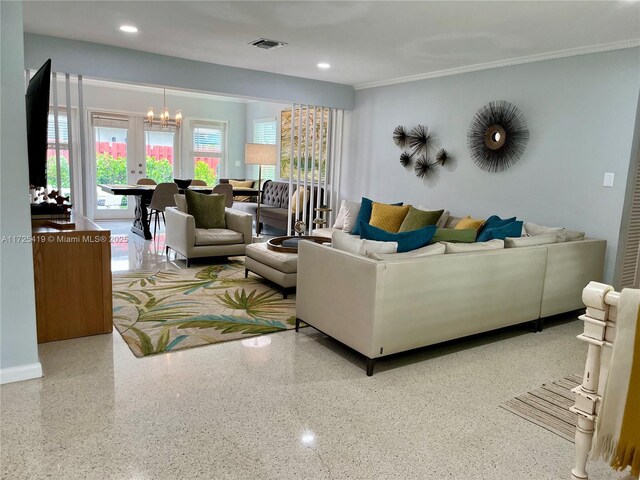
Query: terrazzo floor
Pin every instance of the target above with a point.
(291, 406)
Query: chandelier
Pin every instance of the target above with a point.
(165, 119)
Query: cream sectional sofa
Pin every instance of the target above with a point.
(379, 308)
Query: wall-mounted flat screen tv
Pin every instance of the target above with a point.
(37, 99)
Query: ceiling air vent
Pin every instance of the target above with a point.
(267, 44)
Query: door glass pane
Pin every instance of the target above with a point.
(207, 148)
(159, 155)
(111, 165)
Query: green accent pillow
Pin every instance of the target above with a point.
(467, 235)
(416, 219)
(207, 210)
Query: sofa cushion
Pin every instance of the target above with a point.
(352, 244)
(429, 250)
(242, 184)
(514, 242)
(325, 232)
(388, 217)
(494, 221)
(351, 213)
(513, 229)
(207, 210)
(573, 235)
(468, 222)
(181, 202)
(299, 200)
(407, 241)
(281, 261)
(474, 247)
(217, 236)
(364, 215)
(442, 221)
(534, 229)
(467, 235)
(417, 218)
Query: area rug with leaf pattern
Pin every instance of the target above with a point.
(168, 310)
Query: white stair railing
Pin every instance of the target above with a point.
(599, 333)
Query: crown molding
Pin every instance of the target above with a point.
(571, 52)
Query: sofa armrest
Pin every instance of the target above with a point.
(241, 222)
(180, 230)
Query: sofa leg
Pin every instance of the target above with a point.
(370, 365)
(540, 324)
(188, 262)
(246, 273)
(298, 324)
(284, 293)
(166, 251)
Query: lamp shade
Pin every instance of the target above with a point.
(260, 154)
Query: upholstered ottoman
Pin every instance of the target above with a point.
(281, 268)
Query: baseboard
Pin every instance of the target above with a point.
(22, 372)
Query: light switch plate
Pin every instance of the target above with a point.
(608, 180)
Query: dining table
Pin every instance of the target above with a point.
(143, 194)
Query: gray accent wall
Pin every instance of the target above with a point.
(581, 113)
(133, 66)
(18, 343)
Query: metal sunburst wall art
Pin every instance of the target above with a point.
(425, 168)
(497, 136)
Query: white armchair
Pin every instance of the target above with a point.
(183, 237)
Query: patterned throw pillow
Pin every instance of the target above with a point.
(388, 217)
(364, 215)
(469, 222)
(207, 210)
(407, 241)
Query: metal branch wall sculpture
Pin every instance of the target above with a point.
(497, 136)
(416, 144)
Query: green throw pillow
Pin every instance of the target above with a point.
(207, 210)
(416, 219)
(454, 236)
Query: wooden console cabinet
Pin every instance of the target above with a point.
(72, 270)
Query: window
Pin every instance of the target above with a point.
(265, 132)
(208, 154)
(58, 178)
(159, 147)
(306, 142)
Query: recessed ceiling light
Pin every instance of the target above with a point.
(324, 65)
(129, 28)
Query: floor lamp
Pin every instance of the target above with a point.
(260, 154)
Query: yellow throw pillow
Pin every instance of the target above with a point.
(388, 217)
(298, 200)
(469, 223)
(242, 184)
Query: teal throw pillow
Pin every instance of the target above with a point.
(407, 241)
(416, 219)
(494, 221)
(513, 229)
(466, 235)
(366, 207)
(207, 210)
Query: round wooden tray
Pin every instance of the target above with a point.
(275, 244)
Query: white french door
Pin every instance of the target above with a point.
(115, 160)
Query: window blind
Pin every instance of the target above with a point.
(265, 132)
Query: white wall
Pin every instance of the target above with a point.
(581, 114)
(18, 343)
(132, 66)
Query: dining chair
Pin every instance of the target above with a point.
(227, 190)
(146, 181)
(161, 199)
(198, 183)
